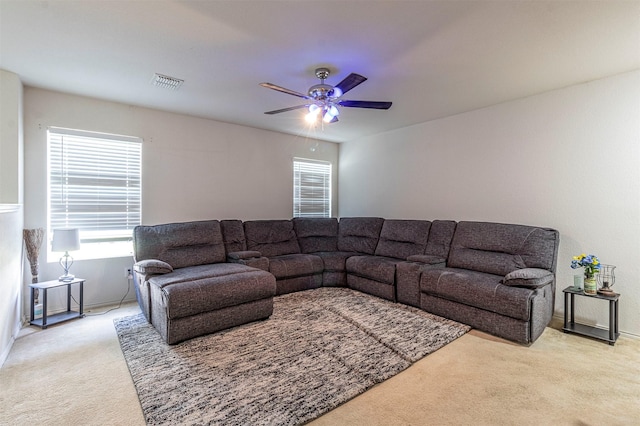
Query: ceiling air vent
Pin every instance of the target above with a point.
(166, 82)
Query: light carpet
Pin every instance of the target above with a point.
(319, 349)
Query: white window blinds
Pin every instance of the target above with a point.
(94, 184)
(311, 188)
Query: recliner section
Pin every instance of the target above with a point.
(277, 241)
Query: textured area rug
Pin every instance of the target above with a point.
(319, 349)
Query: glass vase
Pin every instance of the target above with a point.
(590, 285)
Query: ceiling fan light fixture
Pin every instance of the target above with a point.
(312, 116)
(336, 92)
(330, 113)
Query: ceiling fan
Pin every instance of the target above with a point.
(324, 99)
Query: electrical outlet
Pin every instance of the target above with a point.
(127, 272)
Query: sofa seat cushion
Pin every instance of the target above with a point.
(477, 289)
(335, 261)
(295, 265)
(194, 290)
(376, 268)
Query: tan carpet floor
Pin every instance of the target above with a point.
(75, 374)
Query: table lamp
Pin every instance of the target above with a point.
(66, 240)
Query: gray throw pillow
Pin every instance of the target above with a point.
(528, 277)
(152, 266)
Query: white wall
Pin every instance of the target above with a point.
(567, 159)
(193, 169)
(11, 148)
(11, 214)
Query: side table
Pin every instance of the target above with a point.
(570, 326)
(62, 316)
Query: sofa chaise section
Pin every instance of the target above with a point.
(186, 289)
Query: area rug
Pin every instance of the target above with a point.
(319, 349)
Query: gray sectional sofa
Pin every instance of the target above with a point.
(195, 278)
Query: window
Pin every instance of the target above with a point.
(311, 188)
(95, 186)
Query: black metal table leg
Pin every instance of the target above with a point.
(612, 325)
(80, 309)
(573, 320)
(32, 316)
(44, 308)
(566, 314)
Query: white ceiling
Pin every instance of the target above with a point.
(431, 58)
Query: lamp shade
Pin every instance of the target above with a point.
(67, 239)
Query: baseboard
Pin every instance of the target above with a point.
(5, 354)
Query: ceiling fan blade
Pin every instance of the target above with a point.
(365, 104)
(284, 90)
(351, 81)
(278, 111)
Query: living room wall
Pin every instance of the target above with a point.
(193, 169)
(566, 159)
(11, 214)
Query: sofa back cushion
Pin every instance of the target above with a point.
(316, 234)
(271, 237)
(233, 235)
(498, 248)
(403, 238)
(180, 244)
(359, 234)
(440, 236)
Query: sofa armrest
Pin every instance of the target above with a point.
(250, 258)
(528, 278)
(426, 259)
(152, 267)
(243, 255)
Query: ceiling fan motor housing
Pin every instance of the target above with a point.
(321, 91)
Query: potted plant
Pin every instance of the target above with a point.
(591, 265)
